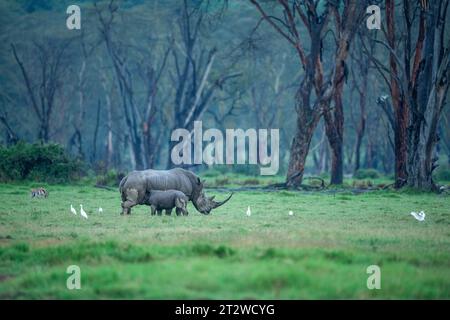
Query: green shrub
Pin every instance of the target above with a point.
(251, 181)
(247, 169)
(219, 182)
(38, 162)
(366, 174)
(442, 173)
(110, 178)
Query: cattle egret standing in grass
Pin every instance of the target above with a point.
(83, 214)
(419, 216)
(72, 209)
(100, 209)
(249, 213)
(291, 213)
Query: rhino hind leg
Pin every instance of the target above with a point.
(168, 212)
(131, 196)
(181, 205)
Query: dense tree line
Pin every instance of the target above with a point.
(344, 97)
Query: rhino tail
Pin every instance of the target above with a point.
(122, 183)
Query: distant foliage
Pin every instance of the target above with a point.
(38, 162)
(442, 173)
(111, 178)
(366, 174)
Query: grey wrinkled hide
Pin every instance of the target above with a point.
(135, 187)
(167, 200)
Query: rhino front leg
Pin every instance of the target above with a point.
(168, 212)
(153, 210)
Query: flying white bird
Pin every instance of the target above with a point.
(72, 209)
(291, 213)
(82, 212)
(418, 216)
(100, 209)
(249, 213)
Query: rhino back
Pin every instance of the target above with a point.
(147, 180)
(174, 179)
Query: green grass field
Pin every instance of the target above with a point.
(322, 251)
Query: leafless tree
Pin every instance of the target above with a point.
(193, 80)
(43, 79)
(317, 90)
(138, 117)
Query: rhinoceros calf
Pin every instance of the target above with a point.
(137, 185)
(167, 200)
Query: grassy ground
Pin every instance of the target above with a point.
(322, 251)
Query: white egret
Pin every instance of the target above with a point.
(249, 213)
(418, 216)
(82, 212)
(72, 209)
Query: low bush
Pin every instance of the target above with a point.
(442, 173)
(219, 182)
(251, 182)
(110, 178)
(38, 162)
(366, 174)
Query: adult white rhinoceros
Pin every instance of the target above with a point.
(136, 186)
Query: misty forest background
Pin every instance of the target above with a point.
(345, 98)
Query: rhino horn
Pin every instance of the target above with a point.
(216, 204)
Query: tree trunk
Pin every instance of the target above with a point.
(361, 128)
(94, 139)
(138, 154)
(428, 101)
(398, 102)
(307, 121)
(44, 131)
(299, 152)
(334, 124)
(400, 141)
(337, 163)
(334, 129)
(359, 138)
